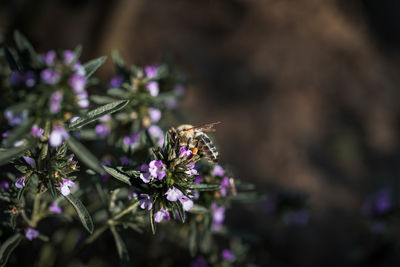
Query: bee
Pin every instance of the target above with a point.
(196, 139)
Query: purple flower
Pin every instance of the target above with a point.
(157, 133)
(173, 194)
(146, 177)
(152, 87)
(199, 262)
(69, 56)
(191, 170)
(77, 83)
(105, 177)
(132, 139)
(227, 255)
(183, 153)
(55, 208)
(115, 82)
(218, 216)
(145, 201)
(55, 101)
(31, 233)
(125, 161)
(15, 118)
(155, 114)
(57, 136)
(102, 130)
(30, 79)
(105, 118)
(65, 185)
(37, 131)
(160, 215)
(151, 71)
(20, 183)
(157, 169)
(18, 143)
(379, 203)
(79, 69)
(30, 161)
(49, 57)
(6, 134)
(4, 185)
(198, 179)
(218, 171)
(15, 78)
(224, 186)
(187, 203)
(50, 76)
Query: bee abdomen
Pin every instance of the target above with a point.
(207, 149)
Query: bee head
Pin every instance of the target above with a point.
(172, 132)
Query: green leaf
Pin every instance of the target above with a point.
(84, 155)
(152, 222)
(7, 155)
(121, 247)
(8, 247)
(98, 113)
(82, 212)
(117, 174)
(101, 100)
(10, 59)
(248, 197)
(197, 209)
(205, 187)
(27, 49)
(93, 65)
(18, 133)
(117, 92)
(179, 208)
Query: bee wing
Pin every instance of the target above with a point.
(208, 127)
(207, 148)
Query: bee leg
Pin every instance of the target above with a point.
(196, 149)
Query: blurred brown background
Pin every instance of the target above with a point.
(307, 91)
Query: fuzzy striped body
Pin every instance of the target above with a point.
(191, 137)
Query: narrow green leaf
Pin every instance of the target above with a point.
(93, 65)
(101, 100)
(10, 59)
(18, 133)
(82, 212)
(152, 222)
(193, 238)
(117, 174)
(179, 208)
(121, 247)
(25, 46)
(9, 154)
(205, 187)
(8, 247)
(197, 209)
(98, 113)
(248, 197)
(84, 155)
(116, 92)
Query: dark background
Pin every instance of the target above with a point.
(307, 91)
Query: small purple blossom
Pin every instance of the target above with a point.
(15, 78)
(50, 76)
(116, 82)
(145, 201)
(20, 183)
(77, 83)
(151, 71)
(378, 203)
(218, 171)
(132, 139)
(186, 202)
(157, 169)
(224, 186)
(125, 161)
(146, 177)
(152, 87)
(160, 215)
(227, 255)
(15, 118)
(18, 143)
(157, 133)
(173, 194)
(4, 185)
(198, 179)
(102, 130)
(30, 79)
(79, 69)
(184, 153)
(37, 131)
(191, 169)
(155, 114)
(55, 208)
(6, 134)
(65, 186)
(31, 233)
(218, 216)
(49, 57)
(55, 101)
(69, 56)
(57, 136)
(30, 161)
(105, 177)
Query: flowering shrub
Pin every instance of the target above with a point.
(53, 158)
